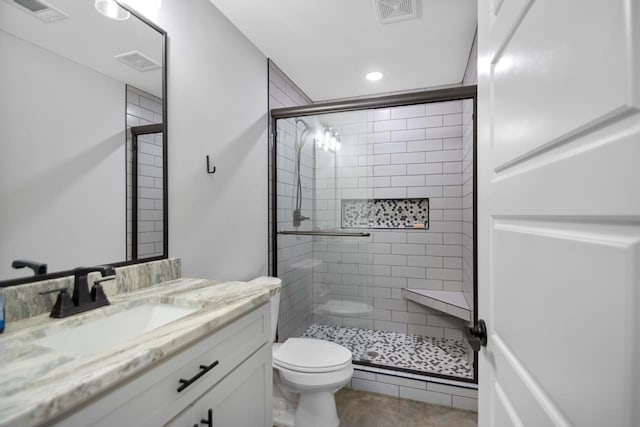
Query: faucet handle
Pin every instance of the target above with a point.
(97, 293)
(63, 304)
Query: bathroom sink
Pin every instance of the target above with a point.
(104, 333)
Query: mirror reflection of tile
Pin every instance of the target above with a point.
(385, 213)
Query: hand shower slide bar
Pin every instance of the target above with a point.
(325, 233)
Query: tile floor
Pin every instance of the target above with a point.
(394, 349)
(364, 409)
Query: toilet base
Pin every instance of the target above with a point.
(283, 413)
(313, 409)
(317, 410)
(284, 409)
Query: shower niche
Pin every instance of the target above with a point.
(373, 228)
(385, 213)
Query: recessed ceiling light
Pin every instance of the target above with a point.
(374, 75)
(111, 9)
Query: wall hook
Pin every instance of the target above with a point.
(209, 170)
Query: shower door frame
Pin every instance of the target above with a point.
(135, 132)
(424, 97)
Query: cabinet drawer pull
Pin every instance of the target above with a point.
(203, 370)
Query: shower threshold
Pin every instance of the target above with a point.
(399, 351)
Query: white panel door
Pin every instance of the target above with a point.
(559, 212)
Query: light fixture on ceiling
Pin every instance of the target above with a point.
(328, 140)
(111, 9)
(374, 76)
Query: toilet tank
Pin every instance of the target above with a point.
(275, 301)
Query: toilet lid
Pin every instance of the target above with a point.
(311, 355)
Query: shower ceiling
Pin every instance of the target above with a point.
(327, 46)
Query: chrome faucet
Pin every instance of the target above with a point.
(83, 298)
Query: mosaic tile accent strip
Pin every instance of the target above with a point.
(385, 213)
(427, 354)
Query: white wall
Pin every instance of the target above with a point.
(217, 98)
(62, 164)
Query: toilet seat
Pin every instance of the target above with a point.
(309, 355)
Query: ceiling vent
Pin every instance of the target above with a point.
(41, 10)
(138, 61)
(395, 10)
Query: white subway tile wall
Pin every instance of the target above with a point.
(401, 152)
(145, 109)
(294, 252)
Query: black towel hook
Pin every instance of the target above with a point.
(209, 167)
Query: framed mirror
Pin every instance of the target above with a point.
(83, 143)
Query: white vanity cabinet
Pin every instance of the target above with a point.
(228, 373)
(236, 401)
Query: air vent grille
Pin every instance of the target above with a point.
(32, 5)
(39, 9)
(138, 60)
(395, 10)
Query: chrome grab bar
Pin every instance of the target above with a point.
(326, 233)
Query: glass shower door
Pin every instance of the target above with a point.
(325, 266)
(372, 204)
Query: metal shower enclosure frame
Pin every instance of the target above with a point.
(423, 97)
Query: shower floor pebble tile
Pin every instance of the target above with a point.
(425, 354)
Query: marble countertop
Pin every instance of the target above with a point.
(38, 383)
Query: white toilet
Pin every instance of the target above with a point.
(306, 374)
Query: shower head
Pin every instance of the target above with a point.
(307, 126)
(301, 140)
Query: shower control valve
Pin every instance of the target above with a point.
(298, 218)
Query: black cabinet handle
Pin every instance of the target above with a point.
(209, 421)
(203, 370)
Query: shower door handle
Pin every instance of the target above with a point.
(477, 335)
(325, 233)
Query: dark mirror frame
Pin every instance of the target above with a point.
(165, 193)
